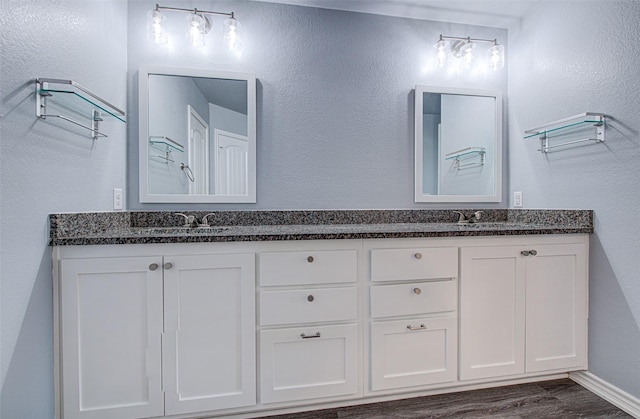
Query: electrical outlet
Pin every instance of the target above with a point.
(117, 199)
(517, 199)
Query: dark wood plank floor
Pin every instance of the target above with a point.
(548, 399)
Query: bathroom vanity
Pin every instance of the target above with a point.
(284, 311)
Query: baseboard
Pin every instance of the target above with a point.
(612, 394)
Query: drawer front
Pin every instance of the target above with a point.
(415, 298)
(312, 267)
(308, 305)
(308, 363)
(414, 263)
(414, 352)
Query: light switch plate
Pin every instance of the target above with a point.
(517, 199)
(117, 199)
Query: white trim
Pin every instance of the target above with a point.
(607, 391)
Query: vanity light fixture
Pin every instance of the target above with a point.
(197, 26)
(464, 50)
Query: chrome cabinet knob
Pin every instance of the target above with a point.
(525, 253)
(417, 291)
(310, 259)
(418, 255)
(153, 266)
(168, 266)
(533, 252)
(310, 298)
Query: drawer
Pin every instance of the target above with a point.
(308, 305)
(312, 267)
(413, 352)
(416, 298)
(308, 363)
(414, 263)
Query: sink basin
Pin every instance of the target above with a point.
(171, 231)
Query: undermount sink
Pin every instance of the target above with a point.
(186, 230)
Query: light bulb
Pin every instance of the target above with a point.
(196, 29)
(468, 53)
(441, 53)
(232, 38)
(496, 57)
(156, 27)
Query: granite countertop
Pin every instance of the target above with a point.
(136, 227)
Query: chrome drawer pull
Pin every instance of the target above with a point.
(310, 259)
(417, 291)
(303, 336)
(153, 266)
(168, 265)
(310, 298)
(418, 255)
(422, 327)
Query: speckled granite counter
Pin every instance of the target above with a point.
(137, 227)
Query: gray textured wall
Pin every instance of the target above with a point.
(49, 166)
(335, 100)
(572, 57)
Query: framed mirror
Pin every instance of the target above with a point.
(197, 136)
(458, 145)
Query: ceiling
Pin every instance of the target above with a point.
(494, 13)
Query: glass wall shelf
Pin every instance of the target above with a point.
(76, 99)
(166, 143)
(467, 154)
(567, 126)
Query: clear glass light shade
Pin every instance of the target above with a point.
(197, 27)
(441, 51)
(468, 54)
(496, 57)
(232, 38)
(156, 26)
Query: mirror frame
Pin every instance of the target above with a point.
(420, 196)
(143, 132)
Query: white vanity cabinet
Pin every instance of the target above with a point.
(148, 336)
(523, 308)
(267, 327)
(308, 318)
(413, 302)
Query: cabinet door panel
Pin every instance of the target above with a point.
(209, 350)
(556, 308)
(492, 312)
(297, 368)
(111, 325)
(402, 357)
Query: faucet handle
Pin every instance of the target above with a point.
(188, 219)
(205, 222)
(463, 218)
(478, 215)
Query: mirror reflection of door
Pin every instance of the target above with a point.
(198, 152)
(232, 151)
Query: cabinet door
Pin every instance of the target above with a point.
(209, 339)
(556, 308)
(111, 325)
(308, 363)
(492, 312)
(413, 352)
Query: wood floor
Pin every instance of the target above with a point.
(548, 399)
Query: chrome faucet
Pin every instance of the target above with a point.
(189, 220)
(474, 218)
